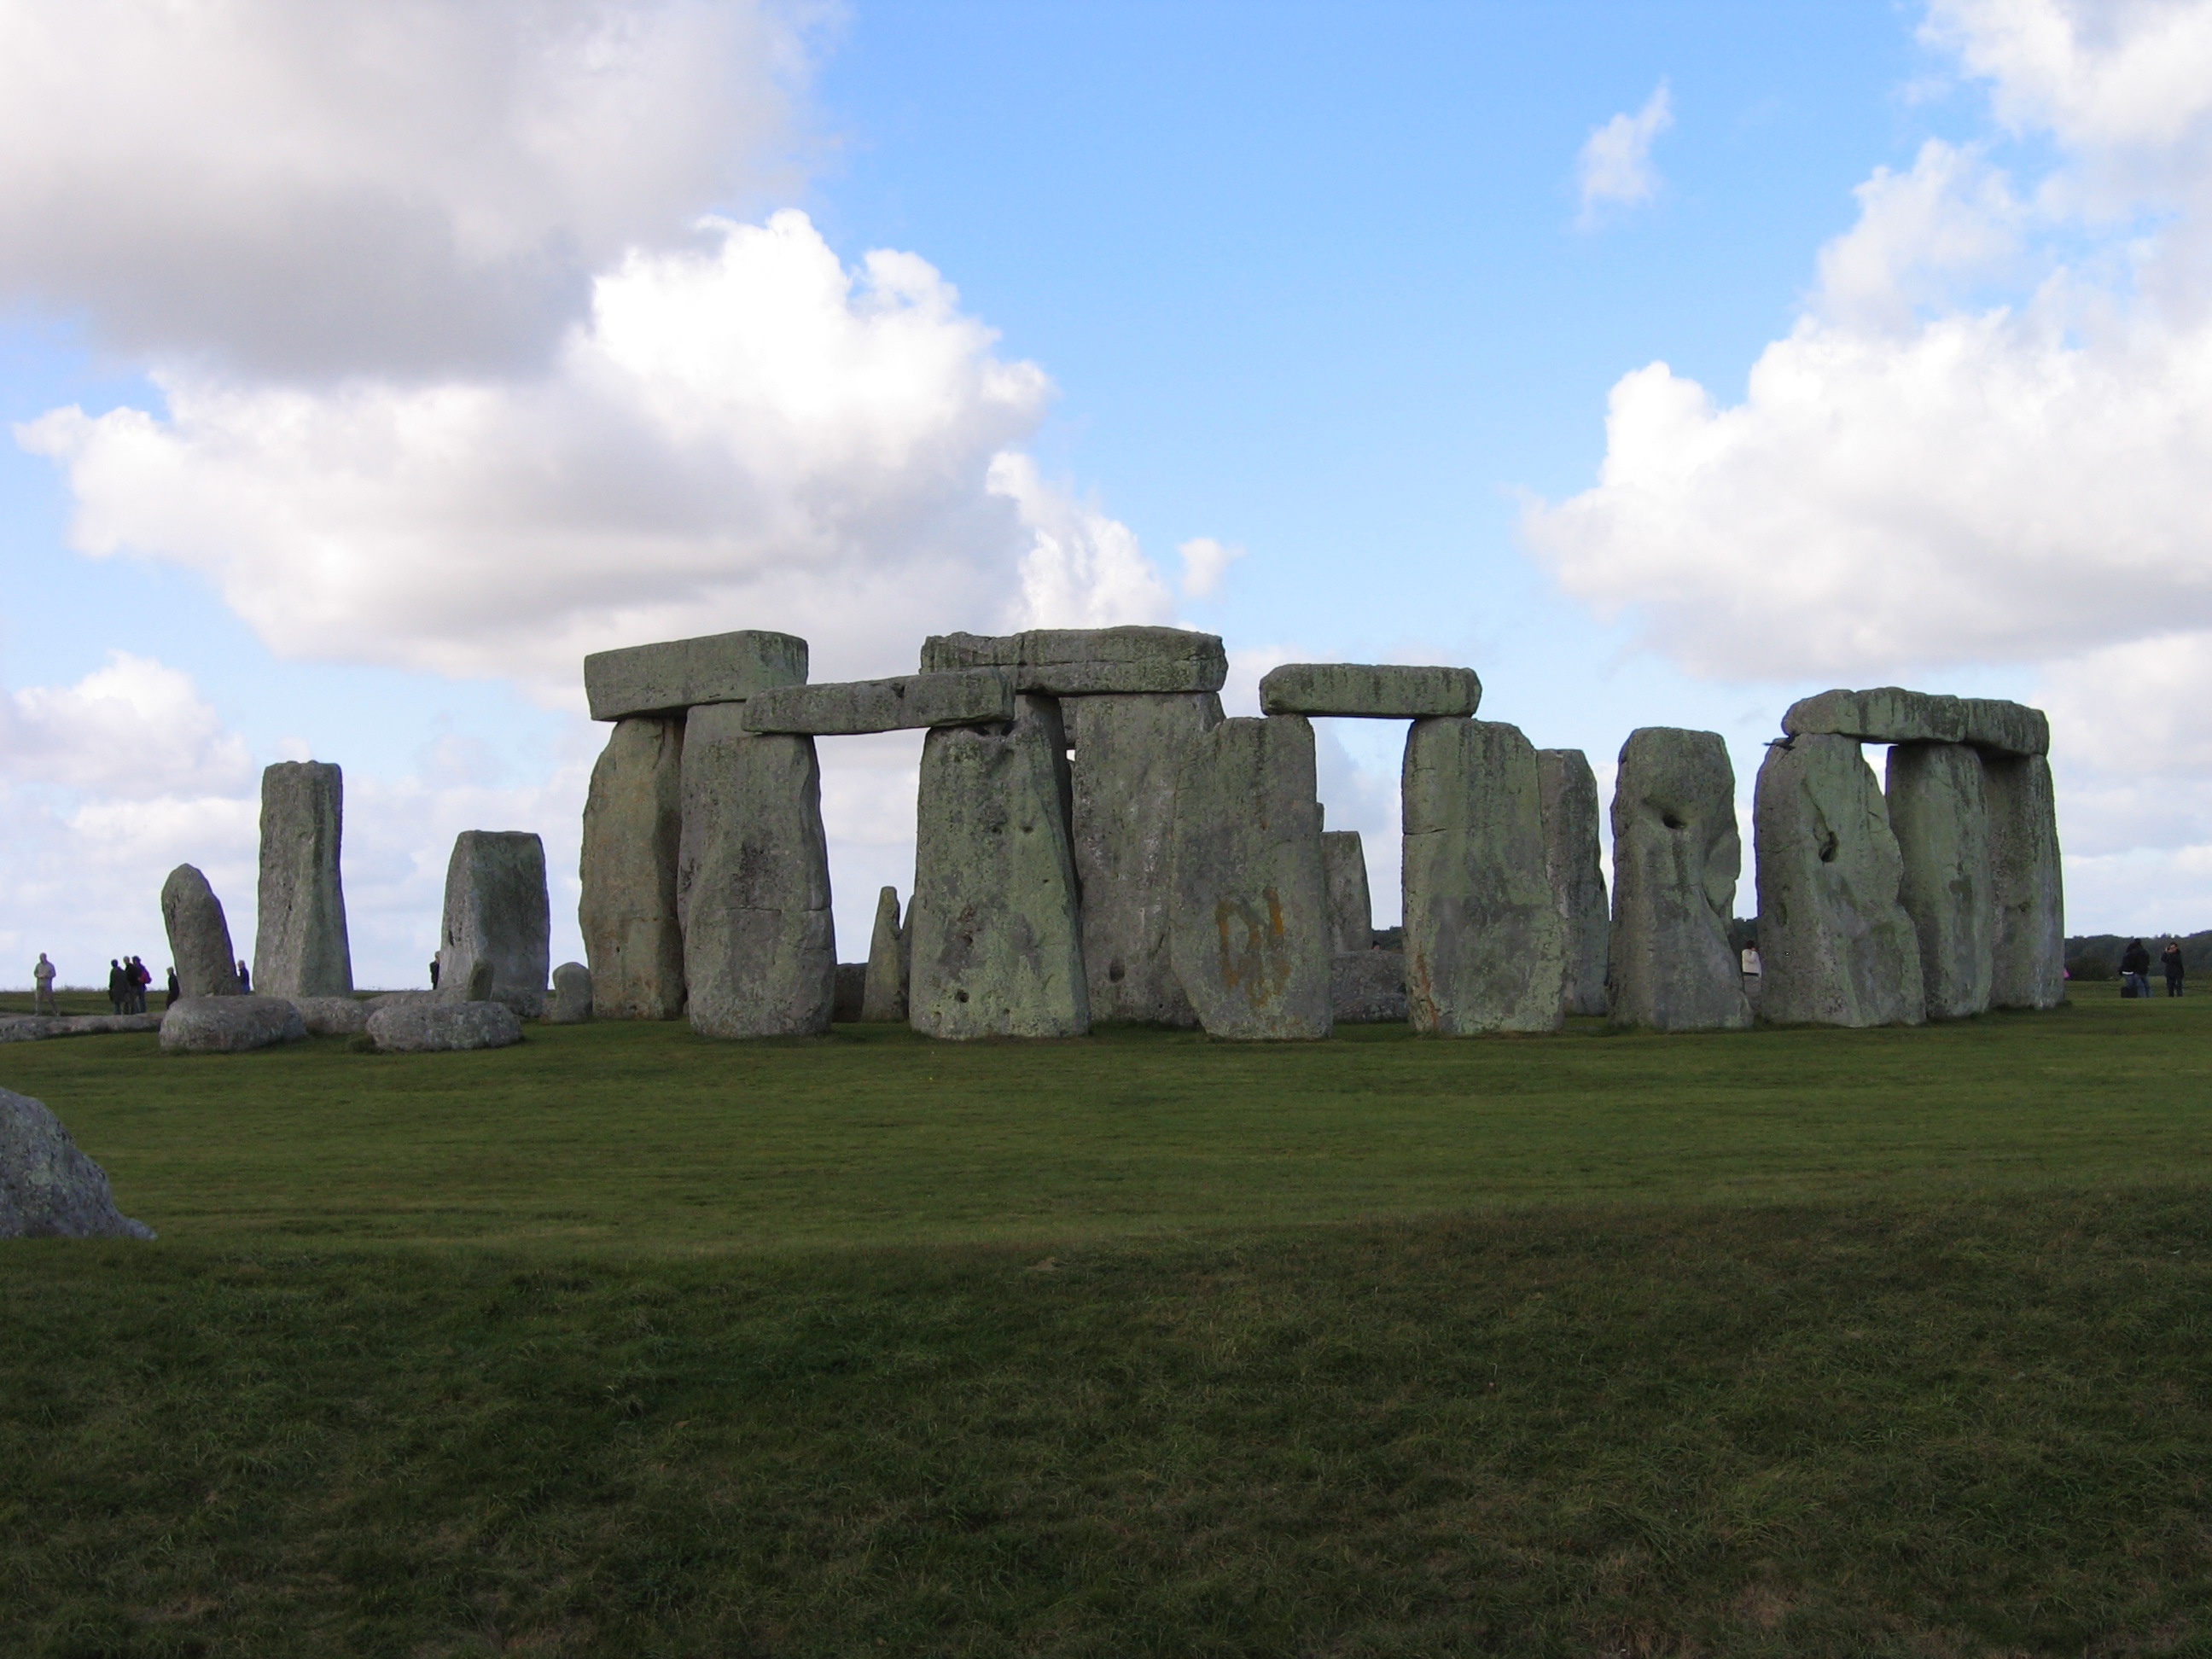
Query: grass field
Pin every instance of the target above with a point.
(621, 1342)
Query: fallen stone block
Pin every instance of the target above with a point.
(1248, 930)
(1676, 854)
(571, 1002)
(2027, 895)
(883, 985)
(199, 937)
(971, 696)
(1486, 945)
(229, 1025)
(36, 1028)
(632, 848)
(48, 1188)
(426, 1027)
(1367, 988)
(673, 675)
(1835, 942)
(332, 1016)
(299, 944)
(1383, 691)
(1940, 817)
(1084, 662)
(497, 914)
(1572, 862)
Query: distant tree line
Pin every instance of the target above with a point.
(2096, 956)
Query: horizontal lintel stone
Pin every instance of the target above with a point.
(1360, 690)
(678, 674)
(1889, 714)
(1078, 662)
(973, 697)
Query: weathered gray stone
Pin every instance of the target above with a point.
(997, 945)
(1485, 946)
(1676, 854)
(2027, 948)
(633, 842)
(496, 912)
(48, 1188)
(1351, 907)
(476, 987)
(300, 944)
(1889, 714)
(427, 1027)
(1367, 988)
(851, 994)
(199, 937)
(1381, 691)
(970, 697)
(1248, 929)
(760, 947)
(37, 1028)
(678, 674)
(882, 988)
(1941, 821)
(1128, 750)
(1572, 863)
(1087, 662)
(229, 1025)
(1836, 944)
(331, 1015)
(571, 1001)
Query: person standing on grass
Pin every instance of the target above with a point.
(2134, 970)
(43, 977)
(171, 1001)
(141, 977)
(245, 979)
(2170, 960)
(115, 983)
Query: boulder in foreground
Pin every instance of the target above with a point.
(48, 1188)
(413, 1028)
(229, 1025)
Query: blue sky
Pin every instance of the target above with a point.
(381, 428)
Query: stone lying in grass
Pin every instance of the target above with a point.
(33, 1028)
(411, 1028)
(331, 1015)
(229, 1025)
(48, 1188)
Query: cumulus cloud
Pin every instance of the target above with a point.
(747, 435)
(1205, 563)
(1615, 169)
(413, 187)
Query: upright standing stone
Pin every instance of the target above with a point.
(2027, 949)
(760, 946)
(1938, 812)
(199, 937)
(1572, 860)
(1128, 750)
(1676, 854)
(1485, 946)
(1248, 931)
(1351, 906)
(571, 1001)
(632, 839)
(1835, 944)
(883, 992)
(997, 947)
(300, 945)
(497, 912)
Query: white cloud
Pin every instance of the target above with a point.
(413, 187)
(749, 435)
(1205, 563)
(134, 731)
(1614, 168)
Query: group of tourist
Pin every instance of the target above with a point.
(2134, 968)
(128, 979)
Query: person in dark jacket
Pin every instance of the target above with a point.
(2170, 960)
(174, 987)
(119, 988)
(2134, 970)
(245, 978)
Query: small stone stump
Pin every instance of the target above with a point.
(571, 1003)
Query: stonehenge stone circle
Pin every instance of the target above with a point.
(1836, 944)
(230, 1025)
(1088, 662)
(760, 948)
(331, 1015)
(48, 1188)
(1486, 945)
(300, 945)
(1383, 691)
(1890, 713)
(996, 947)
(883, 991)
(1128, 750)
(1940, 817)
(571, 1001)
(1367, 988)
(497, 912)
(1249, 927)
(1676, 855)
(1572, 850)
(679, 674)
(972, 697)
(428, 1027)
(2027, 899)
(1351, 906)
(199, 937)
(633, 838)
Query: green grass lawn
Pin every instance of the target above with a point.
(622, 1342)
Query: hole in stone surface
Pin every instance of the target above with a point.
(1115, 972)
(1828, 848)
(1671, 821)
(960, 996)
